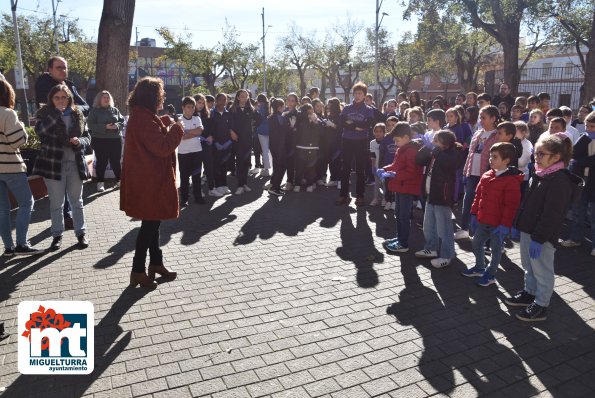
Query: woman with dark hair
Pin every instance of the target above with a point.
(105, 125)
(13, 176)
(206, 139)
(61, 160)
(415, 99)
(148, 189)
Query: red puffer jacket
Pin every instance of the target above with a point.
(497, 198)
(409, 175)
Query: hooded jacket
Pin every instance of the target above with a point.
(408, 174)
(546, 202)
(497, 197)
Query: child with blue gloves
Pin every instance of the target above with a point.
(405, 182)
(497, 198)
(540, 217)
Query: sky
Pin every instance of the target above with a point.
(206, 19)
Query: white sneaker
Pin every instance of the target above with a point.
(296, 188)
(383, 203)
(265, 173)
(288, 187)
(239, 191)
(440, 262)
(374, 202)
(388, 206)
(331, 184)
(593, 252)
(310, 188)
(338, 184)
(426, 253)
(462, 234)
(254, 171)
(215, 193)
(418, 205)
(100, 187)
(569, 243)
(247, 188)
(224, 190)
(393, 205)
(320, 183)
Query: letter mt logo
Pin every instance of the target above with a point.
(56, 337)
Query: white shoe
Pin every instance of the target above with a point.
(388, 206)
(331, 184)
(265, 173)
(393, 205)
(288, 186)
(426, 253)
(296, 188)
(462, 234)
(569, 243)
(320, 183)
(247, 188)
(338, 184)
(383, 202)
(215, 193)
(593, 252)
(224, 190)
(440, 262)
(310, 188)
(418, 205)
(239, 191)
(374, 202)
(254, 171)
(100, 187)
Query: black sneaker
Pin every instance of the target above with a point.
(8, 253)
(276, 192)
(83, 242)
(183, 203)
(521, 299)
(26, 250)
(532, 313)
(56, 243)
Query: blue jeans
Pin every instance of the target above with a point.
(539, 272)
(483, 233)
(470, 187)
(71, 185)
(576, 228)
(403, 203)
(19, 186)
(438, 226)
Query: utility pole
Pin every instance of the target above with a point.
(136, 62)
(17, 39)
(55, 9)
(264, 57)
(377, 31)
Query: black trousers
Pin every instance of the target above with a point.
(147, 239)
(221, 161)
(207, 163)
(279, 169)
(354, 150)
(108, 149)
(190, 167)
(243, 164)
(305, 166)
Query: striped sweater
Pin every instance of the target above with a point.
(12, 136)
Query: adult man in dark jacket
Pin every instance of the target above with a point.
(57, 73)
(504, 96)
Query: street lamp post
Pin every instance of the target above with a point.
(264, 57)
(378, 22)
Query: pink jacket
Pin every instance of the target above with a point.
(485, 152)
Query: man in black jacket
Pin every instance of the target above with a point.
(57, 73)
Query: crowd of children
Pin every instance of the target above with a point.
(510, 160)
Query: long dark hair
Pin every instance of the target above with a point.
(147, 93)
(236, 101)
(262, 99)
(492, 111)
(205, 112)
(473, 115)
(58, 88)
(415, 95)
(6, 94)
(334, 108)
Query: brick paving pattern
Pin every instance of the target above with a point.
(295, 297)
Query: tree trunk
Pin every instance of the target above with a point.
(113, 45)
(588, 91)
(510, 49)
(323, 87)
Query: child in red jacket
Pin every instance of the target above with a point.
(497, 198)
(406, 184)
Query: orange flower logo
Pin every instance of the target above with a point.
(43, 319)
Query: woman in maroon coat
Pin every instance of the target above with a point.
(148, 189)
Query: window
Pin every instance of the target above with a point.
(547, 69)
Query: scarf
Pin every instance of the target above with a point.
(549, 170)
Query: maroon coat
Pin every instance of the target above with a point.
(408, 174)
(497, 198)
(148, 190)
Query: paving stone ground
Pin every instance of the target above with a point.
(295, 297)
